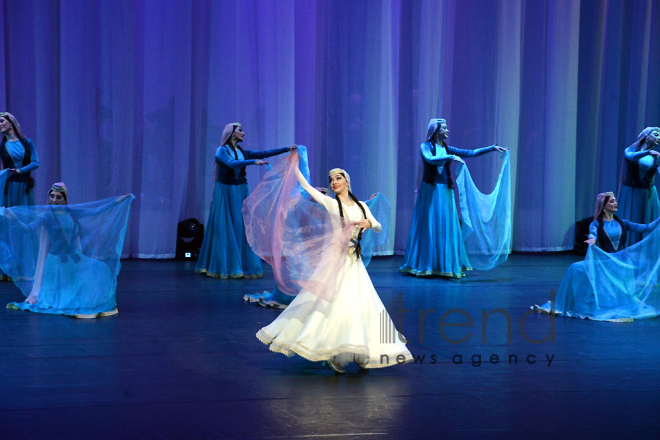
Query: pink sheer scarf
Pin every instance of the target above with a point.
(305, 244)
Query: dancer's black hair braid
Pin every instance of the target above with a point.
(602, 213)
(242, 151)
(236, 146)
(358, 248)
(27, 156)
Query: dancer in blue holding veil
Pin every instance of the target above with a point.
(19, 158)
(65, 258)
(436, 241)
(225, 251)
(638, 197)
(614, 282)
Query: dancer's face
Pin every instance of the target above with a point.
(5, 125)
(612, 205)
(443, 132)
(338, 183)
(57, 198)
(238, 134)
(653, 138)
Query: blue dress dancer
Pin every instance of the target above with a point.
(638, 197)
(607, 288)
(19, 157)
(225, 251)
(67, 256)
(435, 244)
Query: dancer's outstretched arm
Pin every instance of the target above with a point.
(222, 154)
(474, 153)
(316, 195)
(634, 155)
(269, 153)
(439, 158)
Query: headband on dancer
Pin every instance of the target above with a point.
(12, 120)
(228, 131)
(340, 171)
(601, 200)
(59, 187)
(642, 137)
(434, 124)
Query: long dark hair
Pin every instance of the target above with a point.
(19, 134)
(358, 248)
(6, 157)
(601, 202)
(26, 150)
(236, 144)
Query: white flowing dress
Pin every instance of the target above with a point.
(355, 327)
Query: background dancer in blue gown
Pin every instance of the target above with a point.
(613, 283)
(638, 197)
(435, 244)
(19, 157)
(225, 251)
(67, 256)
(609, 232)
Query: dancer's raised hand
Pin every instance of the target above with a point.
(364, 224)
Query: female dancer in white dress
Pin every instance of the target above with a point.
(353, 327)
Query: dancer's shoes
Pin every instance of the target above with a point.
(335, 367)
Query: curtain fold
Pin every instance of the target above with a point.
(131, 96)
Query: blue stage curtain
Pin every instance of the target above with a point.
(128, 96)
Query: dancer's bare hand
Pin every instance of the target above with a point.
(293, 147)
(500, 149)
(261, 162)
(654, 153)
(458, 159)
(591, 241)
(364, 224)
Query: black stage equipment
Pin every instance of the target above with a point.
(189, 238)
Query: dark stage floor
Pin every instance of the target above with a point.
(181, 361)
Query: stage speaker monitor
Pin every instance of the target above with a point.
(189, 238)
(581, 234)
